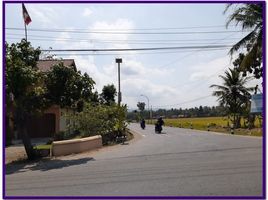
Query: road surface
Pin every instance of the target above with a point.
(179, 162)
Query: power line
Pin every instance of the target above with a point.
(128, 40)
(158, 28)
(139, 49)
(118, 32)
(136, 53)
(133, 29)
(104, 42)
(181, 58)
(189, 101)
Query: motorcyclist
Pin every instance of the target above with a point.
(142, 124)
(160, 121)
(158, 126)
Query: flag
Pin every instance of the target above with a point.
(26, 16)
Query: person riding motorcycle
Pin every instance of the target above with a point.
(142, 124)
(158, 126)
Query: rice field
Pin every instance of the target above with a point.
(216, 124)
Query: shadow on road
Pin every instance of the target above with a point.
(43, 165)
(161, 133)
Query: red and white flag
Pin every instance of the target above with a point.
(26, 16)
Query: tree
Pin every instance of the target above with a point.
(29, 91)
(233, 94)
(249, 16)
(200, 111)
(24, 87)
(141, 106)
(108, 94)
(67, 87)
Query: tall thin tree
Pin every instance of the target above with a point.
(233, 94)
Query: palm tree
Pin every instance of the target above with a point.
(233, 94)
(249, 16)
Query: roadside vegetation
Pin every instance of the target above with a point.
(29, 92)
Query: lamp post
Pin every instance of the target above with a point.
(148, 105)
(118, 61)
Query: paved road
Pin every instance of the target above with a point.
(179, 162)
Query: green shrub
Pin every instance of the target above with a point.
(105, 120)
(59, 136)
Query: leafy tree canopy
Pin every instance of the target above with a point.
(23, 79)
(249, 16)
(24, 91)
(66, 87)
(141, 106)
(108, 94)
(233, 93)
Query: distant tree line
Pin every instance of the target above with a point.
(201, 111)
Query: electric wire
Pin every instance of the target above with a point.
(107, 42)
(158, 28)
(190, 54)
(118, 32)
(136, 53)
(114, 40)
(138, 49)
(184, 102)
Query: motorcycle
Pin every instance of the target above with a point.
(158, 128)
(143, 124)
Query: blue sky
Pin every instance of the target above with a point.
(170, 78)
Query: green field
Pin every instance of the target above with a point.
(216, 124)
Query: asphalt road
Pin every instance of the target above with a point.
(179, 162)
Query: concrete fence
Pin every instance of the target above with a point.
(65, 147)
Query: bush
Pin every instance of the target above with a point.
(59, 136)
(105, 120)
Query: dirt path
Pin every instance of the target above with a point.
(14, 152)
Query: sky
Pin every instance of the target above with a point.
(172, 78)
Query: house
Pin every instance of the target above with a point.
(53, 120)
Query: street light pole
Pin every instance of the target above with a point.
(148, 105)
(119, 60)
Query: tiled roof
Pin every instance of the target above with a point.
(46, 65)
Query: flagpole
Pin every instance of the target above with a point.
(26, 19)
(25, 31)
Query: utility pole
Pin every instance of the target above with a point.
(118, 61)
(151, 114)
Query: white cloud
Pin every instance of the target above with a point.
(122, 25)
(87, 12)
(133, 68)
(43, 14)
(87, 64)
(211, 70)
(63, 38)
(132, 88)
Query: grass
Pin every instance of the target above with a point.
(216, 124)
(43, 146)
